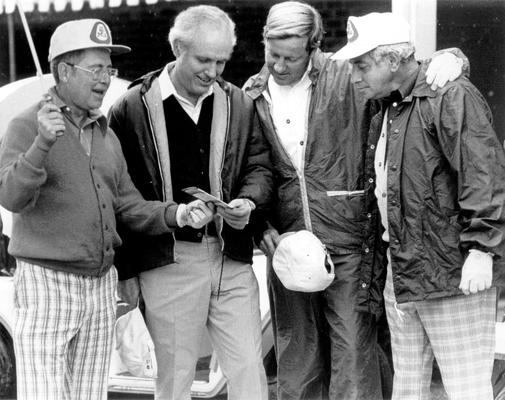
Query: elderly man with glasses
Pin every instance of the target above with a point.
(63, 175)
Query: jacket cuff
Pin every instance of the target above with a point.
(171, 215)
(37, 152)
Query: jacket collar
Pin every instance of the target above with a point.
(258, 83)
(415, 86)
(418, 86)
(93, 115)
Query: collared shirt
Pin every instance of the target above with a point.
(289, 110)
(381, 177)
(168, 89)
(84, 132)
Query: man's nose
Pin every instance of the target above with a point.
(211, 71)
(355, 76)
(280, 66)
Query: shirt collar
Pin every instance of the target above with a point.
(94, 115)
(259, 83)
(303, 84)
(168, 89)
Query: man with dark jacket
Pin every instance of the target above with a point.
(184, 126)
(316, 123)
(440, 173)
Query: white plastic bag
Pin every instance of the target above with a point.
(135, 346)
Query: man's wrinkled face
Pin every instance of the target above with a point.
(201, 62)
(86, 93)
(287, 59)
(372, 78)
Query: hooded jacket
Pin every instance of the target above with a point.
(238, 167)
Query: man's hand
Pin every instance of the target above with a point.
(197, 214)
(128, 291)
(269, 242)
(477, 273)
(443, 68)
(238, 216)
(51, 124)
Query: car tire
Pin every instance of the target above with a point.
(7, 366)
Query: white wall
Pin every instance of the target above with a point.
(422, 17)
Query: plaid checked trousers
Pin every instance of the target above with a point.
(458, 331)
(63, 333)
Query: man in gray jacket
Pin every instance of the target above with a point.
(63, 175)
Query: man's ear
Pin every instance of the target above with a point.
(178, 48)
(394, 61)
(63, 71)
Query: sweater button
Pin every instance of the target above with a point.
(103, 206)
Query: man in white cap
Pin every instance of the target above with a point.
(439, 184)
(63, 175)
(316, 123)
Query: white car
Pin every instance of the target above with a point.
(209, 380)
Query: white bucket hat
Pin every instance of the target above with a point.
(300, 262)
(82, 34)
(370, 31)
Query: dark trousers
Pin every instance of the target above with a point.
(325, 348)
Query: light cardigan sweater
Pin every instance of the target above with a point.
(65, 203)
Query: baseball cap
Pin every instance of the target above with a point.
(300, 262)
(370, 31)
(82, 34)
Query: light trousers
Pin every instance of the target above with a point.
(182, 300)
(458, 331)
(63, 333)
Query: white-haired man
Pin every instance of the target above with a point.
(63, 175)
(440, 171)
(184, 126)
(316, 123)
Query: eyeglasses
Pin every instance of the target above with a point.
(98, 72)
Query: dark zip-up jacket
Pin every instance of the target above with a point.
(238, 167)
(446, 187)
(333, 194)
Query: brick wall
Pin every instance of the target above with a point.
(145, 29)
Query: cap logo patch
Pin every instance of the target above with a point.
(352, 33)
(100, 33)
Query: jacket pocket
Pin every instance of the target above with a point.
(339, 220)
(441, 237)
(332, 193)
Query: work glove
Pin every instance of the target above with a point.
(477, 273)
(442, 69)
